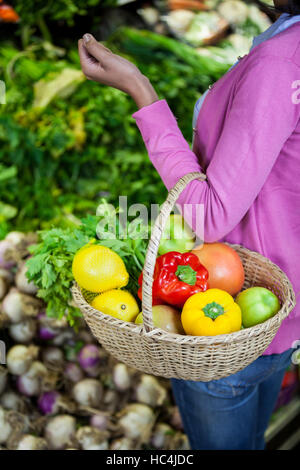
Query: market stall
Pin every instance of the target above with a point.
(69, 147)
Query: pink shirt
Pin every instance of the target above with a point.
(248, 144)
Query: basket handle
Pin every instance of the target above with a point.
(153, 245)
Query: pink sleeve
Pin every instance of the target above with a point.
(261, 119)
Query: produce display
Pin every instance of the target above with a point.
(61, 390)
(68, 149)
(220, 29)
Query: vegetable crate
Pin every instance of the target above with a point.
(198, 358)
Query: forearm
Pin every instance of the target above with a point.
(142, 91)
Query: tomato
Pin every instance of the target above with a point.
(224, 266)
(257, 305)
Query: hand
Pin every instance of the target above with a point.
(98, 63)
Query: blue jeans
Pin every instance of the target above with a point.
(232, 413)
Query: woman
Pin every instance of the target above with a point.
(247, 141)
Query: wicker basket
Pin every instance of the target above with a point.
(198, 358)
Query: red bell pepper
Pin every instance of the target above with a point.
(176, 277)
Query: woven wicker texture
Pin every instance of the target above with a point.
(198, 358)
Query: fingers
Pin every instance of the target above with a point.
(83, 53)
(90, 66)
(94, 48)
(84, 58)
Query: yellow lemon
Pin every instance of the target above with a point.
(117, 303)
(97, 269)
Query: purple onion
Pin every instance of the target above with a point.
(89, 358)
(46, 333)
(48, 402)
(27, 386)
(99, 421)
(73, 372)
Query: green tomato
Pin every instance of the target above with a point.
(177, 236)
(257, 305)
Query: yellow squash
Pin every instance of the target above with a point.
(211, 313)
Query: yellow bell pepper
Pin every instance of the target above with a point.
(211, 313)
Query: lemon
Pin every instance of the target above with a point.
(97, 269)
(117, 303)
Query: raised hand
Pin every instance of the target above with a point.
(100, 64)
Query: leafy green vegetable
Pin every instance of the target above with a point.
(32, 11)
(62, 85)
(50, 269)
(7, 173)
(7, 211)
